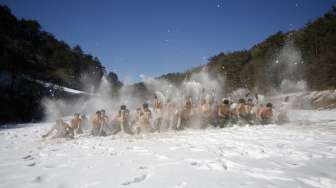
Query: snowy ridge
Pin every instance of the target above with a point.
(299, 154)
(309, 100)
(57, 87)
(5, 79)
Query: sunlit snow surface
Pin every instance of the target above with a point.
(299, 154)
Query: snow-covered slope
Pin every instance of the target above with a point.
(299, 154)
(309, 100)
(57, 87)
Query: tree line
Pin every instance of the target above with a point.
(262, 68)
(28, 53)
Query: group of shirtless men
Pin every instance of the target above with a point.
(167, 116)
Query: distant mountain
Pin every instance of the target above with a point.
(30, 56)
(306, 54)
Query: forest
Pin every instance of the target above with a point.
(305, 54)
(30, 56)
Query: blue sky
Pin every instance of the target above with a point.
(154, 37)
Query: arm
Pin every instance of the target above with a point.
(73, 123)
(219, 112)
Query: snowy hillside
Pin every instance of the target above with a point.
(309, 100)
(299, 154)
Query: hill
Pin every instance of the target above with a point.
(307, 54)
(30, 56)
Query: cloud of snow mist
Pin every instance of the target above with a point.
(288, 86)
(291, 59)
(196, 87)
(287, 64)
(199, 85)
(85, 104)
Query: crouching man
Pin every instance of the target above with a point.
(122, 122)
(76, 124)
(186, 116)
(144, 122)
(224, 113)
(97, 122)
(63, 130)
(265, 114)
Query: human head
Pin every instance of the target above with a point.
(123, 107)
(225, 101)
(188, 103)
(98, 113)
(269, 105)
(145, 106)
(102, 111)
(241, 101)
(76, 115)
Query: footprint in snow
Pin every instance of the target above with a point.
(142, 167)
(135, 180)
(31, 164)
(39, 179)
(28, 157)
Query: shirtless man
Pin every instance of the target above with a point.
(186, 115)
(84, 122)
(250, 115)
(123, 121)
(104, 129)
(105, 118)
(157, 103)
(75, 124)
(97, 122)
(137, 121)
(138, 115)
(249, 105)
(213, 116)
(204, 107)
(204, 113)
(173, 115)
(63, 130)
(265, 115)
(241, 111)
(158, 116)
(224, 113)
(145, 120)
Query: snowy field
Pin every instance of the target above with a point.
(299, 154)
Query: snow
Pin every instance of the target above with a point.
(58, 87)
(299, 154)
(309, 100)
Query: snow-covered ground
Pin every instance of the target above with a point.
(299, 154)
